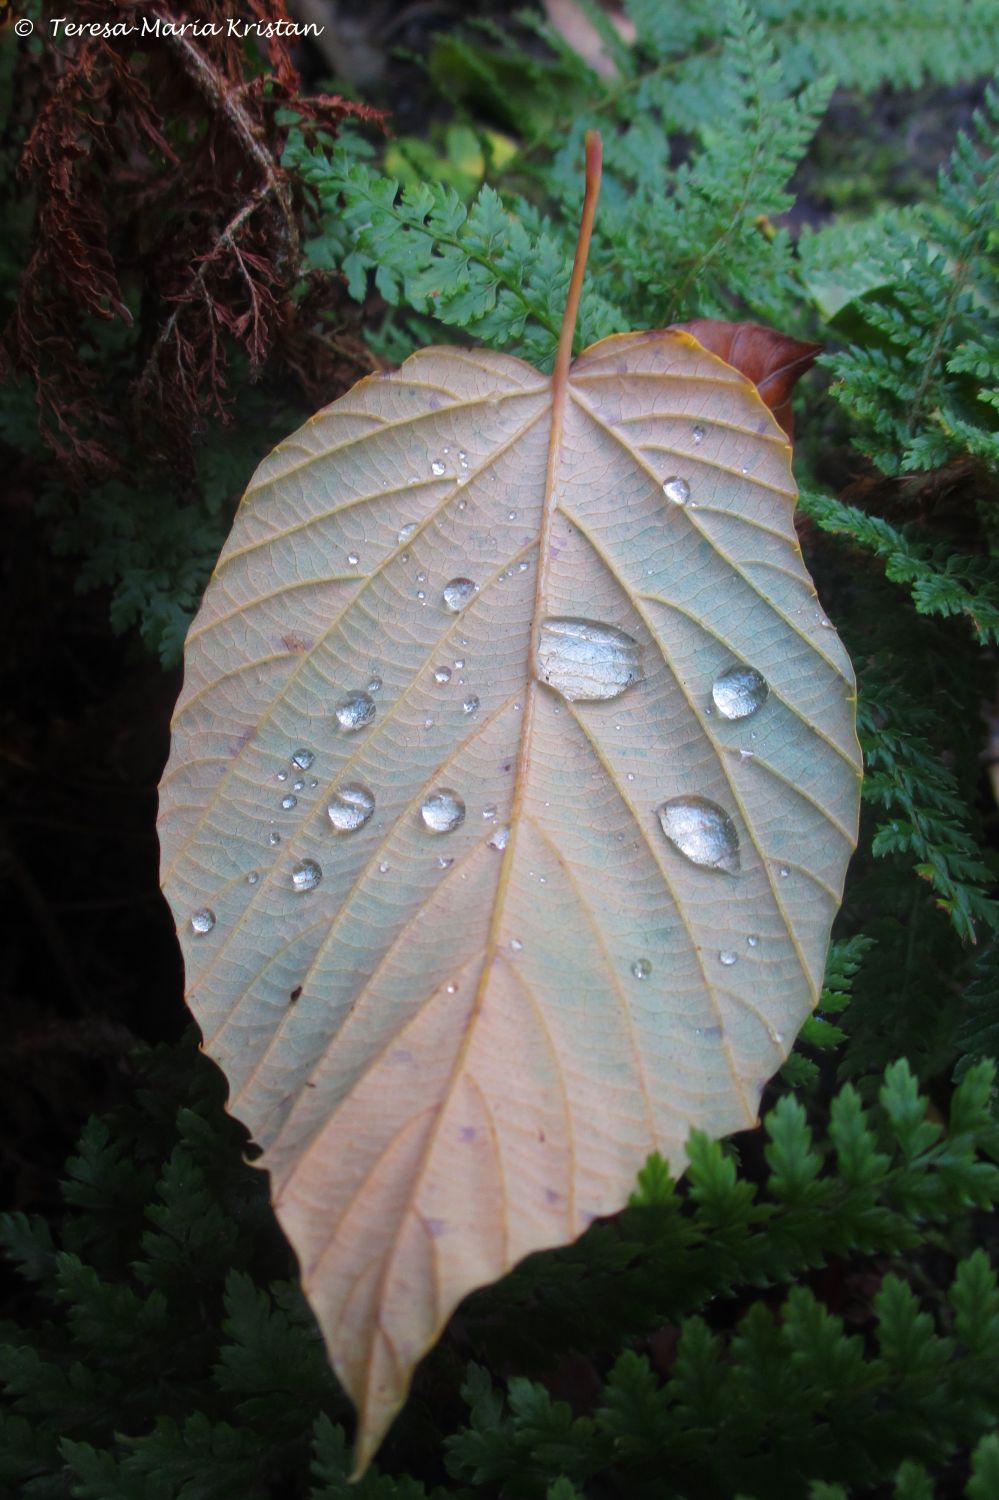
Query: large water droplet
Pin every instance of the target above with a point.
(442, 674)
(405, 532)
(442, 811)
(351, 807)
(702, 831)
(500, 838)
(202, 921)
(641, 968)
(289, 802)
(583, 659)
(458, 592)
(676, 489)
(355, 711)
(302, 759)
(306, 876)
(740, 691)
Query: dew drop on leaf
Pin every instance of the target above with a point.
(437, 467)
(699, 433)
(273, 839)
(302, 759)
(442, 674)
(253, 877)
(739, 692)
(442, 811)
(306, 875)
(457, 593)
(351, 807)
(355, 711)
(202, 921)
(375, 685)
(586, 660)
(728, 958)
(702, 831)
(289, 802)
(752, 941)
(405, 532)
(676, 489)
(470, 704)
(500, 838)
(641, 968)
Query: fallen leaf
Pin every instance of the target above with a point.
(774, 361)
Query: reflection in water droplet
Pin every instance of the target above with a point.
(783, 872)
(523, 566)
(459, 662)
(421, 595)
(351, 807)
(383, 868)
(289, 802)
(776, 1036)
(699, 433)
(511, 515)
(282, 776)
(405, 532)
(253, 877)
(462, 459)
(375, 685)
(740, 691)
(586, 660)
(437, 467)
(302, 759)
(202, 921)
(676, 489)
(273, 839)
(306, 876)
(355, 711)
(641, 968)
(298, 785)
(442, 674)
(442, 811)
(752, 941)
(470, 704)
(516, 944)
(458, 592)
(500, 838)
(727, 957)
(489, 811)
(353, 559)
(444, 863)
(702, 831)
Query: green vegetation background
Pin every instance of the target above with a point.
(813, 1312)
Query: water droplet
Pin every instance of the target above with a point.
(421, 594)
(699, 433)
(313, 783)
(273, 839)
(457, 594)
(745, 754)
(752, 941)
(375, 685)
(523, 566)
(462, 459)
(355, 711)
(728, 958)
(437, 467)
(459, 662)
(511, 515)
(202, 921)
(500, 838)
(776, 1036)
(302, 759)
(253, 877)
(428, 723)
(306, 876)
(442, 674)
(298, 785)
(470, 704)
(676, 489)
(702, 831)
(353, 559)
(489, 811)
(351, 807)
(462, 504)
(384, 867)
(783, 872)
(585, 660)
(444, 863)
(740, 691)
(289, 802)
(641, 968)
(405, 532)
(282, 776)
(442, 811)
(452, 989)
(516, 945)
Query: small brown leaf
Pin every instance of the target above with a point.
(774, 361)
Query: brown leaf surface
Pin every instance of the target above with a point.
(773, 361)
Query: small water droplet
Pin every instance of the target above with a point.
(776, 1036)
(306, 875)
(676, 489)
(428, 723)
(462, 458)
(375, 685)
(783, 872)
(355, 711)
(282, 776)
(826, 624)
(489, 811)
(353, 559)
(298, 785)
(442, 674)
(739, 691)
(727, 957)
(405, 532)
(313, 783)
(470, 704)
(289, 802)
(516, 945)
(437, 467)
(452, 989)
(462, 504)
(253, 877)
(745, 754)
(586, 660)
(752, 941)
(699, 433)
(702, 831)
(273, 839)
(459, 662)
(384, 867)
(444, 863)
(302, 759)
(442, 811)
(202, 921)
(511, 515)
(420, 594)
(457, 594)
(523, 566)
(351, 807)
(500, 838)
(641, 968)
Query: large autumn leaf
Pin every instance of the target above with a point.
(512, 787)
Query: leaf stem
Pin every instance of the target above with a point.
(594, 159)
